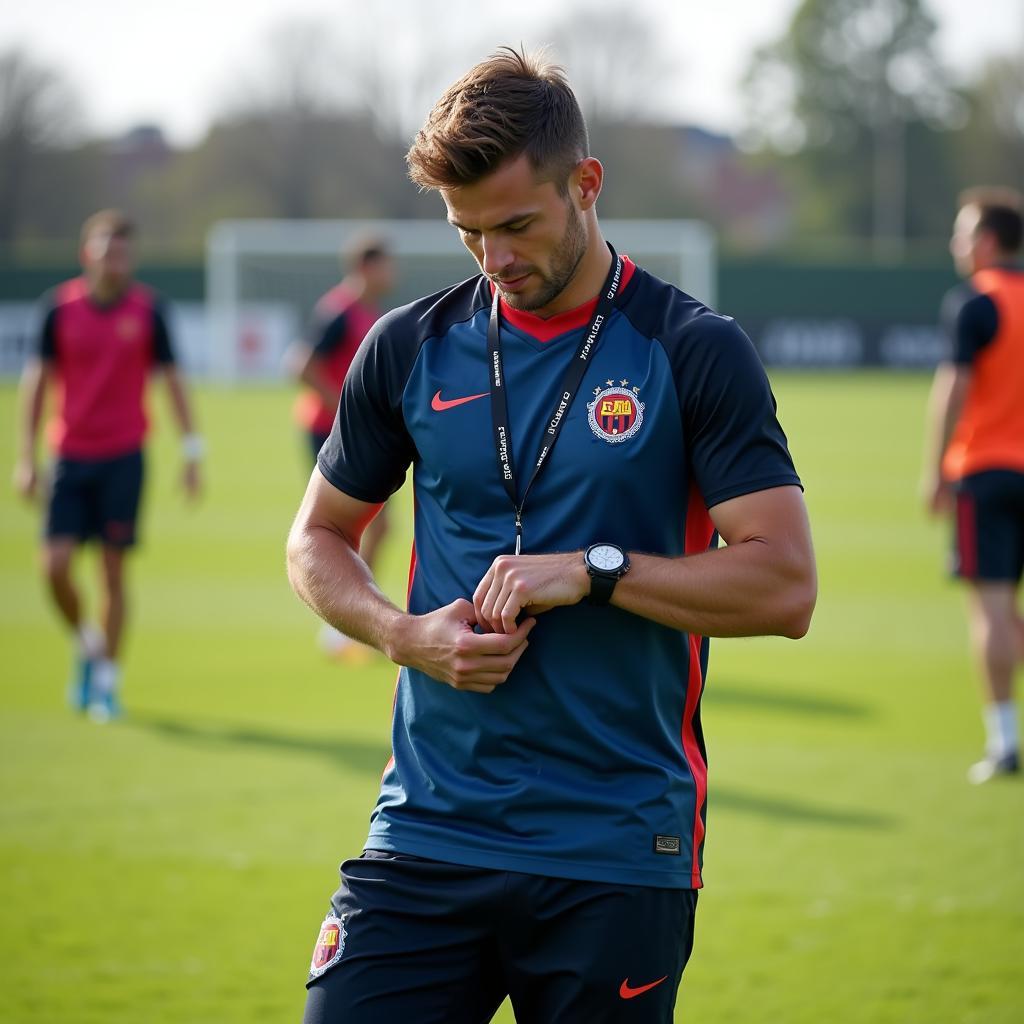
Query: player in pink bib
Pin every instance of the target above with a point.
(102, 335)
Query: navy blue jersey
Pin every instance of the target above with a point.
(589, 761)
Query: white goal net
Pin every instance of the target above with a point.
(263, 277)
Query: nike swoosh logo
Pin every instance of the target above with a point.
(631, 993)
(439, 404)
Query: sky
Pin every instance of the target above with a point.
(176, 63)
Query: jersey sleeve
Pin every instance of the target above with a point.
(369, 449)
(736, 444)
(46, 343)
(163, 351)
(969, 322)
(44, 327)
(326, 333)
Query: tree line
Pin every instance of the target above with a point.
(855, 131)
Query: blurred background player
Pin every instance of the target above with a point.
(340, 321)
(101, 336)
(975, 460)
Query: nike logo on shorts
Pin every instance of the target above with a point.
(439, 404)
(631, 993)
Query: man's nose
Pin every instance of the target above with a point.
(496, 256)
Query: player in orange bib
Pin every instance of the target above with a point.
(974, 464)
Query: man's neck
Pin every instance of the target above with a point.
(588, 280)
(104, 290)
(358, 287)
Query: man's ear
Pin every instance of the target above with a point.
(586, 180)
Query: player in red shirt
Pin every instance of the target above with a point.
(102, 335)
(320, 362)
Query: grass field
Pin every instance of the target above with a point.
(175, 866)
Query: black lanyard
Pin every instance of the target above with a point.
(570, 385)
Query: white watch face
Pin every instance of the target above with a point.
(604, 556)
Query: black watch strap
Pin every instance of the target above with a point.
(601, 589)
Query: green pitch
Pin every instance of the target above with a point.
(175, 866)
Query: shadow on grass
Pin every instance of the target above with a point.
(759, 699)
(370, 758)
(784, 809)
(354, 754)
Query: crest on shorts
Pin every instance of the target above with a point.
(616, 413)
(330, 944)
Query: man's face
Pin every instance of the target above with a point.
(971, 248)
(380, 275)
(526, 237)
(108, 255)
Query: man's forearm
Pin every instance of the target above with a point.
(179, 401)
(326, 571)
(33, 389)
(748, 589)
(945, 404)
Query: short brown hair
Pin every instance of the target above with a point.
(510, 104)
(364, 249)
(1000, 212)
(114, 222)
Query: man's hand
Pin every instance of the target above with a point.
(939, 496)
(191, 479)
(26, 478)
(443, 644)
(530, 583)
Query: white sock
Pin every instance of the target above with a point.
(90, 641)
(1001, 728)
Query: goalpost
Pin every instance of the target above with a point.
(263, 277)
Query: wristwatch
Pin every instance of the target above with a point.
(606, 565)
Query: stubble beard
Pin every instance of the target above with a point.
(565, 260)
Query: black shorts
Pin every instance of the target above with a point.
(988, 541)
(96, 498)
(413, 941)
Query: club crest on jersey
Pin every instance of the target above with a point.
(330, 944)
(616, 413)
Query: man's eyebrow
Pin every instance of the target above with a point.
(497, 227)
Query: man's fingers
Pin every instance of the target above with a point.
(487, 660)
(481, 589)
(484, 644)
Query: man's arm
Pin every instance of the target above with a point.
(945, 404)
(763, 583)
(307, 367)
(32, 392)
(326, 571)
(969, 321)
(192, 443)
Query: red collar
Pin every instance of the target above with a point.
(571, 320)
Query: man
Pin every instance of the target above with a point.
(974, 460)
(340, 321)
(102, 334)
(579, 433)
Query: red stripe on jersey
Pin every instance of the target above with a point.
(398, 678)
(412, 574)
(967, 535)
(699, 532)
